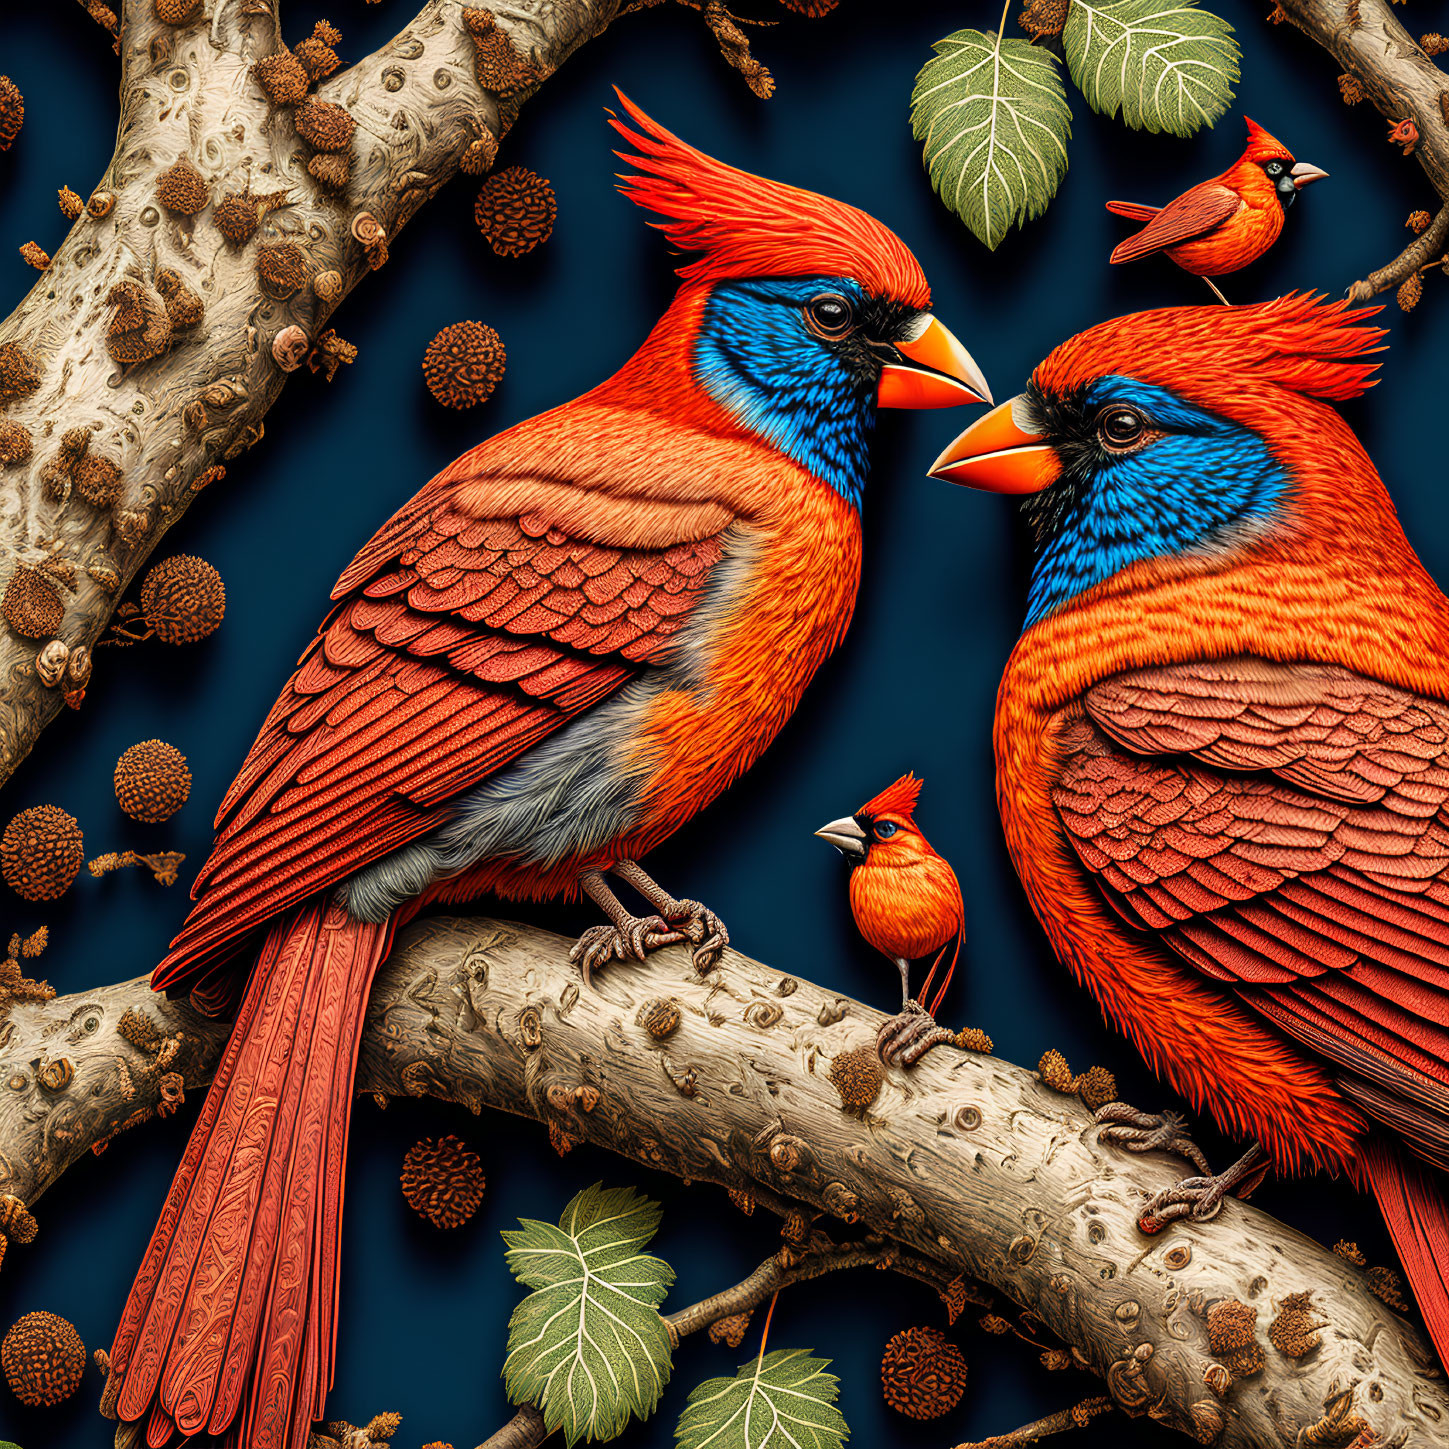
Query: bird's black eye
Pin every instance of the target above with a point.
(885, 829)
(829, 315)
(1120, 427)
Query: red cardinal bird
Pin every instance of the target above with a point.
(906, 901)
(1222, 743)
(1221, 225)
(558, 652)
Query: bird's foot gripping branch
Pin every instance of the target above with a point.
(966, 1164)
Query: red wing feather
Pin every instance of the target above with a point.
(1285, 829)
(1133, 210)
(1193, 214)
(463, 643)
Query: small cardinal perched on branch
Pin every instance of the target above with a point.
(1222, 745)
(557, 653)
(1223, 224)
(906, 901)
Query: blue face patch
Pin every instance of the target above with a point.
(758, 360)
(1188, 491)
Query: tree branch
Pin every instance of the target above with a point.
(1366, 39)
(968, 1163)
(171, 422)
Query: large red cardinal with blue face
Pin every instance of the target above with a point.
(559, 651)
(1222, 744)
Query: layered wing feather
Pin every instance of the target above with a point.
(1196, 212)
(456, 643)
(1285, 829)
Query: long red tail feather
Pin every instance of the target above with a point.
(1414, 1207)
(230, 1326)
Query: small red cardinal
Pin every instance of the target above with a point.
(1221, 225)
(907, 903)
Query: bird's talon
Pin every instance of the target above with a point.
(632, 940)
(1202, 1198)
(1133, 1131)
(704, 930)
(907, 1037)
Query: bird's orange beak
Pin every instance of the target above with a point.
(1305, 172)
(999, 454)
(930, 370)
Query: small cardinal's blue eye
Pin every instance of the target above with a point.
(886, 829)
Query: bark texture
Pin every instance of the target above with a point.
(167, 422)
(1367, 40)
(969, 1163)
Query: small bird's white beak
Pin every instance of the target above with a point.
(846, 836)
(1304, 172)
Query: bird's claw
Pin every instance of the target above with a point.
(631, 940)
(701, 928)
(1133, 1131)
(1201, 1198)
(905, 1039)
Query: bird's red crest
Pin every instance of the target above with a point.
(898, 798)
(1262, 146)
(1299, 342)
(748, 226)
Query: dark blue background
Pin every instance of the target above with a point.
(913, 687)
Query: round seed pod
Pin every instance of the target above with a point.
(35, 255)
(515, 211)
(317, 56)
(19, 375)
(443, 1181)
(236, 218)
(31, 605)
(856, 1075)
(40, 853)
(323, 125)
(463, 364)
(1096, 1087)
(98, 480)
(923, 1373)
(660, 1017)
(1044, 17)
(331, 172)
(183, 599)
(327, 285)
(1231, 1325)
(281, 268)
(182, 188)
(176, 12)
(70, 203)
(12, 112)
(480, 155)
(139, 328)
(283, 77)
(183, 306)
(14, 444)
(152, 781)
(44, 1359)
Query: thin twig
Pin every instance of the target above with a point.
(1063, 1420)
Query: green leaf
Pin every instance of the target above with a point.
(994, 117)
(1165, 64)
(588, 1346)
(785, 1400)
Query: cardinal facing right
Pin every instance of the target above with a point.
(1222, 743)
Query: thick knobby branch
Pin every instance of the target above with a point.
(187, 91)
(1367, 40)
(967, 1162)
